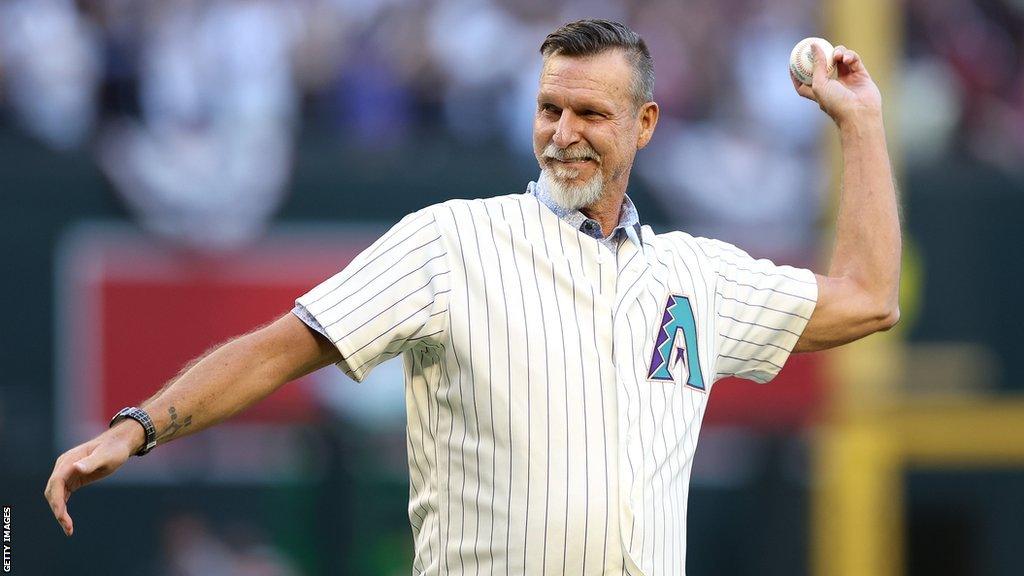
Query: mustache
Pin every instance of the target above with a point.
(572, 153)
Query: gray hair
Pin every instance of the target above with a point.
(590, 37)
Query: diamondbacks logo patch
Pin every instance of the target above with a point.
(676, 343)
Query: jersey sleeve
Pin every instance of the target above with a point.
(391, 297)
(761, 309)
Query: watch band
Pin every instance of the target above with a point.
(142, 417)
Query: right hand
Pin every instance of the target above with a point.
(850, 93)
(87, 463)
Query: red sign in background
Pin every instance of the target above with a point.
(790, 401)
(135, 311)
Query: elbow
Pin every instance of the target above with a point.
(882, 309)
(887, 318)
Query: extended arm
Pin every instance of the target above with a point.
(860, 293)
(217, 386)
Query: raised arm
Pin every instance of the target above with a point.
(860, 293)
(209, 390)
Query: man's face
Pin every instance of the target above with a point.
(587, 130)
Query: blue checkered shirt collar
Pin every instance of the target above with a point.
(629, 218)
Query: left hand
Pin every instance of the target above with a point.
(849, 94)
(87, 463)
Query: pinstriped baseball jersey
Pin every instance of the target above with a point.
(554, 387)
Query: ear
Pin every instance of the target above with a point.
(648, 120)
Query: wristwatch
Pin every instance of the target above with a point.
(142, 417)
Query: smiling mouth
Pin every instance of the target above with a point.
(572, 160)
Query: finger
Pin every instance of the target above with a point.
(63, 481)
(839, 53)
(807, 92)
(801, 88)
(852, 59)
(848, 59)
(58, 499)
(57, 496)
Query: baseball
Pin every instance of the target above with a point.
(801, 59)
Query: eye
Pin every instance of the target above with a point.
(550, 109)
(592, 114)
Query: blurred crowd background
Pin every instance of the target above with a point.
(205, 129)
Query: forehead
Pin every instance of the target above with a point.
(605, 76)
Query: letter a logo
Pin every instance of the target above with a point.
(676, 342)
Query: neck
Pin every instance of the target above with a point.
(606, 210)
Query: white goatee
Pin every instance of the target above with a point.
(556, 178)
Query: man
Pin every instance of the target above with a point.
(558, 355)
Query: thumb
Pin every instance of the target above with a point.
(820, 62)
(89, 464)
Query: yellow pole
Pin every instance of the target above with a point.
(857, 499)
(857, 502)
(867, 371)
(858, 511)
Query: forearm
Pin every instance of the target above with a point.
(868, 243)
(860, 293)
(219, 385)
(231, 378)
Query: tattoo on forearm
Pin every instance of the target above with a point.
(174, 426)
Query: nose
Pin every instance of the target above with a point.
(567, 130)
